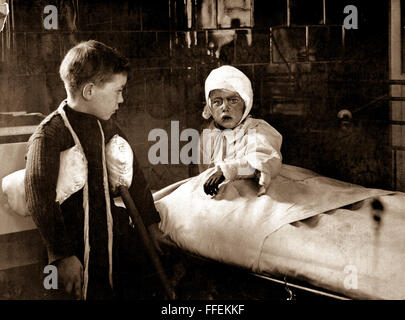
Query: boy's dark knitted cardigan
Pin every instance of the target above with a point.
(61, 226)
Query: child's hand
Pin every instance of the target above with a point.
(212, 183)
(262, 191)
(263, 181)
(70, 272)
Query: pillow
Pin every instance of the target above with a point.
(72, 177)
(73, 174)
(119, 158)
(13, 188)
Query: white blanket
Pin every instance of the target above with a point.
(233, 226)
(343, 251)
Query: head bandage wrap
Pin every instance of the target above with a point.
(232, 79)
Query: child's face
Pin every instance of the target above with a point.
(227, 107)
(108, 96)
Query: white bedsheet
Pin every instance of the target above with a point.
(233, 226)
(343, 251)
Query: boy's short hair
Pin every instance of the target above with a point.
(91, 61)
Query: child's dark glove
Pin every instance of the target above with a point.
(212, 183)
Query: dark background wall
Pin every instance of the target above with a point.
(302, 74)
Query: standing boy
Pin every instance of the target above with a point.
(89, 239)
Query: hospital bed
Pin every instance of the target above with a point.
(352, 252)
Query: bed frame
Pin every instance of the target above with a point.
(283, 288)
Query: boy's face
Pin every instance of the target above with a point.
(227, 107)
(108, 96)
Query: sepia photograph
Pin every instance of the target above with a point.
(202, 154)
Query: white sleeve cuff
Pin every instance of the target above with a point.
(229, 170)
(236, 169)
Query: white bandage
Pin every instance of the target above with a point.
(119, 158)
(72, 173)
(229, 78)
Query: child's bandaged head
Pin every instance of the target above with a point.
(232, 79)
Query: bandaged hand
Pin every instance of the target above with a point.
(213, 182)
(264, 180)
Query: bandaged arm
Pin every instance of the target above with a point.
(262, 154)
(139, 189)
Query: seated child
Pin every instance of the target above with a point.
(246, 147)
(243, 193)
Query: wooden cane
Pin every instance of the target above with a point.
(137, 220)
